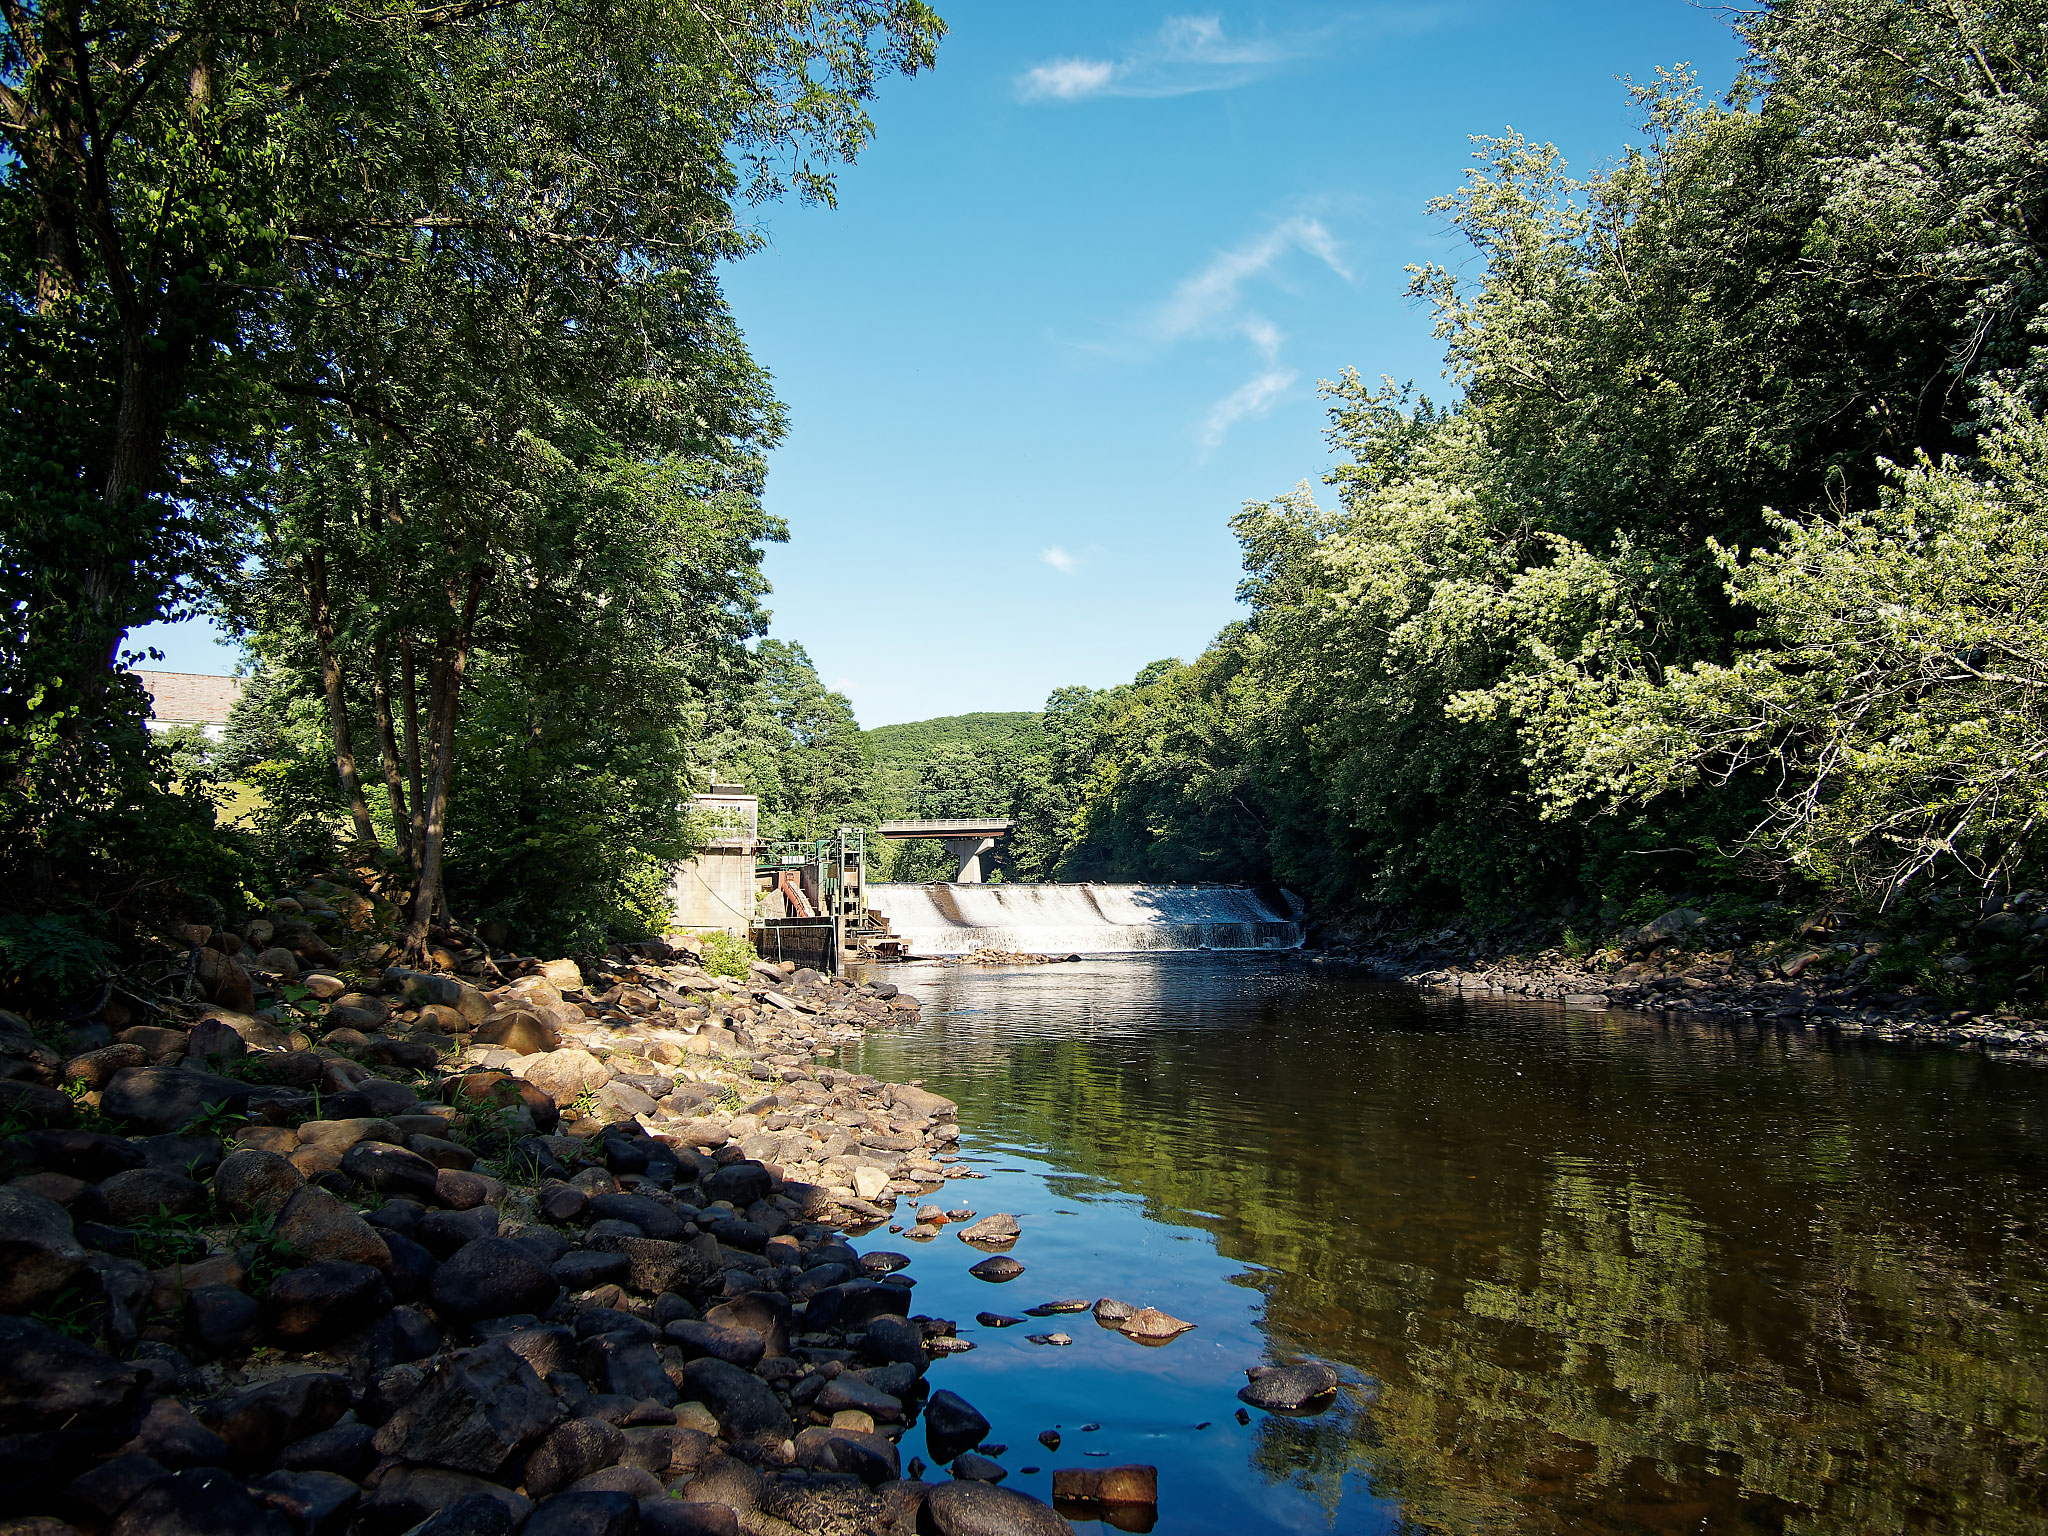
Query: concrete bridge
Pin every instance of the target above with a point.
(966, 838)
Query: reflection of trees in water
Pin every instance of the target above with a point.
(1669, 1282)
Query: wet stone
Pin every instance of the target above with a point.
(1289, 1388)
(952, 1425)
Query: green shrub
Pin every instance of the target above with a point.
(727, 954)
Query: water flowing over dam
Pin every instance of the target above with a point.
(1088, 919)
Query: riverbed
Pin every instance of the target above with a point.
(1582, 1271)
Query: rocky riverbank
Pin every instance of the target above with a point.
(497, 1246)
(1832, 974)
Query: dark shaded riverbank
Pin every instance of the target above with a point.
(1590, 1270)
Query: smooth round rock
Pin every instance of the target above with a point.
(325, 1300)
(494, 1277)
(998, 1269)
(983, 1509)
(250, 1183)
(1288, 1388)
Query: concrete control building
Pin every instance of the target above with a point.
(716, 889)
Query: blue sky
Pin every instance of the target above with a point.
(1074, 302)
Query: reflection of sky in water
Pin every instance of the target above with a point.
(1584, 1271)
(1147, 1400)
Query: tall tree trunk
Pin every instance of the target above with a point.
(443, 698)
(409, 702)
(387, 749)
(337, 699)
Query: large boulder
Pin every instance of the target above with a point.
(406, 1496)
(390, 1170)
(493, 1277)
(742, 1183)
(39, 1253)
(745, 1407)
(321, 1226)
(87, 1155)
(627, 1366)
(871, 1457)
(52, 1381)
(474, 1413)
(983, 1509)
(520, 1031)
(586, 1512)
(643, 1211)
(324, 1301)
(32, 1104)
(564, 1076)
(141, 1193)
(573, 1450)
(952, 1425)
(259, 1422)
(202, 1502)
(250, 1184)
(169, 1098)
(656, 1266)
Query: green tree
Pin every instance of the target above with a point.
(204, 207)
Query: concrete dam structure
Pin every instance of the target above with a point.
(957, 919)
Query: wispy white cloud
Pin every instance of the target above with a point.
(1255, 397)
(1066, 79)
(1060, 560)
(1190, 54)
(1213, 298)
(1212, 303)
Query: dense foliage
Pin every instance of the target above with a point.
(394, 337)
(1724, 569)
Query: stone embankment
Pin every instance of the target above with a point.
(495, 1247)
(1827, 978)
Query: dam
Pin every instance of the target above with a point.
(1087, 919)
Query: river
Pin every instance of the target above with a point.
(1582, 1271)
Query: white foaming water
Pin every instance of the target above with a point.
(1087, 919)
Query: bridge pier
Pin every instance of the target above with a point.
(968, 839)
(967, 852)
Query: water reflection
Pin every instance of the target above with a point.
(1592, 1272)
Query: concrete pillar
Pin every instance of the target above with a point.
(967, 852)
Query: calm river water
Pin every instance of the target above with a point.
(1584, 1272)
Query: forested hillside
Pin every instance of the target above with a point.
(1720, 571)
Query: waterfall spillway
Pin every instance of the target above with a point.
(1087, 919)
